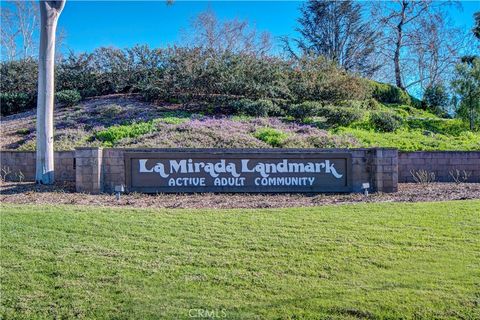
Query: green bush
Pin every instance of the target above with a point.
(436, 99)
(304, 110)
(401, 112)
(271, 136)
(255, 108)
(372, 104)
(23, 131)
(387, 93)
(112, 135)
(14, 102)
(68, 97)
(340, 116)
(79, 72)
(151, 93)
(184, 75)
(19, 76)
(385, 121)
(318, 79)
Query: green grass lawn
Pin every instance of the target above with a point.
(393, 260)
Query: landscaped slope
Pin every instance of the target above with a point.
(375, 261)
(126, 121)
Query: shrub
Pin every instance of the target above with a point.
(417, 103)
(387, 93)
(372, 104)
(19, 76)
(14, 102)
(255, 108)
(151, 92)
(23, 131)
(401, 112)
(109, 111)
(339, 116)
(78, 72)
(318, 79)
(271, 136)
(304, 110)
(436, 98)
(385, 121)
(423, 176)
(182, 75)
(460, 176)
(68, 97)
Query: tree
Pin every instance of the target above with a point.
(235, 35)
(467, 88)
(436, 98)
(476, 28)
(49, 13)
(417, 41)
(335, 30)
(470, 58)
(19, 23)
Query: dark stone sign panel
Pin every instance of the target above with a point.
(238, 171)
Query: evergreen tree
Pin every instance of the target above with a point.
(335, 30)
(467, 88)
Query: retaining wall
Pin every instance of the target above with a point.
(97, 170)
(441, 163)
(21, 165)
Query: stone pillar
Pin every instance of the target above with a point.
(113, 169)
(88, 170)
(383, 168)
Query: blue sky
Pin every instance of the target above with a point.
(91, 24)
(155, 23)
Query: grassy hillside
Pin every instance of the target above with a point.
(191, 97)
(125, 121)
(373, 261)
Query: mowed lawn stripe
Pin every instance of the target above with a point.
(390, 260)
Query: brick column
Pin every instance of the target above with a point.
(383, 168)
(88, 172)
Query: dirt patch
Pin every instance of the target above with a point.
(29, 193)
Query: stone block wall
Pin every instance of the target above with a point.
(441, 163)
(22, 163)
(99, 170)
(375, 166)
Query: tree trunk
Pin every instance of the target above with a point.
(396, 61)
(49, 13)
(398, 46)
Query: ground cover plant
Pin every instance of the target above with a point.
(414, 140)
(126, 121)
(368, 260)
(169, 91)
(113, 134)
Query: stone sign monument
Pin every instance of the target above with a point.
(229, 171)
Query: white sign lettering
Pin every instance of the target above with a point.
(214, 169)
